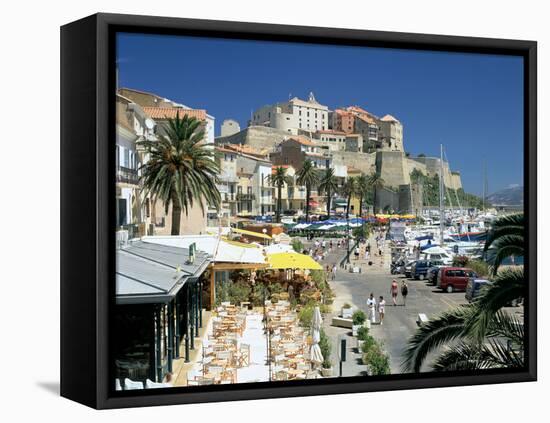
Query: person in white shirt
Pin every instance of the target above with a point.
(381, 309)
(371, 308)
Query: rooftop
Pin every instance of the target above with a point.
(171, 112)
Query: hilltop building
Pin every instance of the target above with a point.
(290, 116)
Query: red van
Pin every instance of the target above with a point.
(451, 279)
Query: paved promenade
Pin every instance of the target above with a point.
(400, 321)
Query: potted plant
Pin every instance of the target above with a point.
(362, 335)
(346, 311)
(358, 319)
(324, 345)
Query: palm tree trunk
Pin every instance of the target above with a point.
(328, 204)
(176, 215)
(307, 203)
(374, 203)
(279, 203)
(361, 206)
(347, 207)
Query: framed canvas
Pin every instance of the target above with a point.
(260, 211)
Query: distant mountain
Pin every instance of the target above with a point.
(512, 196)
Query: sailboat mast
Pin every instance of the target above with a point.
(441, 197)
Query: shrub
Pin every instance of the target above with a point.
(460, 261)
(275, 288)
(359, 317)
(346, 305)
(480, 267)
(325, 308)
(306, 315)
(257, 295)
(238, 292)
(362, 333)
(297, 245)
(324, 345)
(368, 343)
(377, 361)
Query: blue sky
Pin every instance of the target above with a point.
(471, 103)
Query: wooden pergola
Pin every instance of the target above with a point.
(214, 267)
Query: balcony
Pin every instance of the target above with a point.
(126, 175)
(246, 197)
(229, 197)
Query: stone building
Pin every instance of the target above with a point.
(290, 116)
(229, 127)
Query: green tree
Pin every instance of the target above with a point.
(180, 170)
(348, 190)
(377, 183)
(363, 188)
(279, 178)
(307, 176)
(328, 185)
(480, 335)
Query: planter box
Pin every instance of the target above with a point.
(354, 329)
(347, 313)
(342, 323)
(326, 372)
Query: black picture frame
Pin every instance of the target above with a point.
(87, 231)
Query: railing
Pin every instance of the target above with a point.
(127, 175)
(246, 197)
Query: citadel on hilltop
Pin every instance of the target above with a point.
(347, 137)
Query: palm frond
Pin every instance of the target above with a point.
(432, 335)
(508, 285)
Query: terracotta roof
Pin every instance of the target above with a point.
(224, 150)
(389, 118)
(246, 149)
(171, 112)
(302, 140)
(331, 131)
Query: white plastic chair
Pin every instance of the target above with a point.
(149, 384)
(118, 386)
(130, 385)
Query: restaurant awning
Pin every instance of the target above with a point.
(292, 261)
(250, 233)
(152, 273)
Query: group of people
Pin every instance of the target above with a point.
(379, 306)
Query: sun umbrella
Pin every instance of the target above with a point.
(315, 353)
(291, 260)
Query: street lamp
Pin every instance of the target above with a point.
(264, 230)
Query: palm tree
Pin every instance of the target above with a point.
(349, 189)
(307, 176)
(180, 170)
(362, 190)
(479, 335)
(506, 238)
(328, 185)
(376, 182)
(278, 178)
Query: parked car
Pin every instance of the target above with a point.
(431, 276)
(407, 269)
(475, 287)
(450, 279)
(420, 268)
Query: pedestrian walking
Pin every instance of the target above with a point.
(404, 292)
(334, 268)
(356, 253)
(371, 308)
(394, 289)
(381, 309)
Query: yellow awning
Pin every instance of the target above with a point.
(251, 233)
(292, 261)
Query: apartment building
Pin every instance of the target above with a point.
(293, 115)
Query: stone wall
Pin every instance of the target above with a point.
(392, 167)
(365, 162)
(259, 137)
(433, 167)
